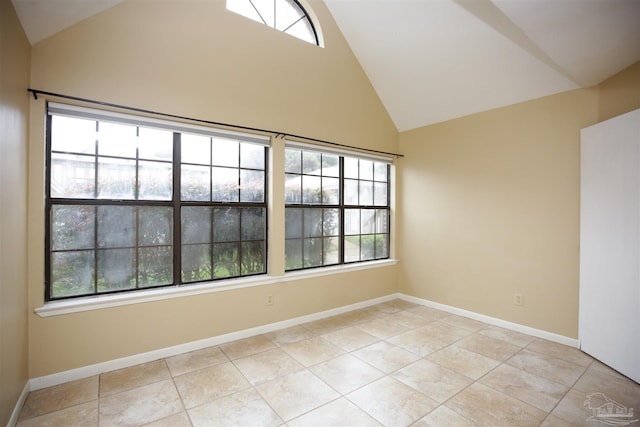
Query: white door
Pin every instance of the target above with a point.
(609, 326)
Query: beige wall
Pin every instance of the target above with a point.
(619, 94)
(196, 59)
(14, 109)
(489, 206)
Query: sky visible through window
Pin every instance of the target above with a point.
(283, 15)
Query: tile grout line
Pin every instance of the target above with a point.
(352, 322)
(184, 406)
(568, 390)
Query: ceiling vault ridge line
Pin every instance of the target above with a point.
(491, 15)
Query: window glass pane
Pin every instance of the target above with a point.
(253, 257)
(367, 247)
(116, 178)
(302, 30)
(293, 254)
(265, 9)
(155, 225)
(293, 189)
(312, 223)
(195, 183)
(196, 224)
(287, 13)
(116, 269)
(366, 169)
(225, 152)
(293, 223)
(155, 181)
(244, 8)
(72, 227)
(292, 161)
(155, 266)
(352, 221)
(382, 221)
(196, 263)
(380, 171)
(367, 221)
(311, 163)
(311, 189)
(350, 192)
(224, 185)
(226, 225)
(351, 248)
(382, 246)
(251, 186)
(331, 251)
(251, 156)
(366, 193)
(313, 255)
(71, 273)
(330, 165)
(115, 139)
(330, 191)
(331, 222)
(73, 176)
(253, 224)
(380, 194)
(195, 149)
(226, 260)
(155, 144)
(73, 135)
(116, 226)
(350, 167)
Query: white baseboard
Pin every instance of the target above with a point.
(13, 420)
(539, 333)
(125, 362)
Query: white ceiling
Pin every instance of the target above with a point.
(435, 60)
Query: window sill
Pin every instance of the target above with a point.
(57, 308)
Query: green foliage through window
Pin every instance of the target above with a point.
(114, 214)
(337, 209)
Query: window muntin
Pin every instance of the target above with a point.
(287, 16)
(337, 209)
(116, 222)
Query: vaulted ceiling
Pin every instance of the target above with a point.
(435, 60)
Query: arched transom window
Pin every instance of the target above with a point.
(288, 16)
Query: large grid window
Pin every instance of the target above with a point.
(337, 209)
(134, 204)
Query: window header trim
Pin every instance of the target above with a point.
(318, 148)
(183, 119)
(137, 120)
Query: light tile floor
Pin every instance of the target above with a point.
(392, 364)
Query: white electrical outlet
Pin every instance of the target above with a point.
(269, 299)
(518, 299)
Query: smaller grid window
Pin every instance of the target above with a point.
(337, 209)
(366, 210)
